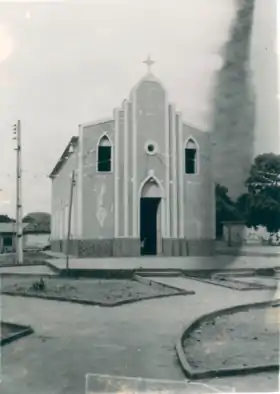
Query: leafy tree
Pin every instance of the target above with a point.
(261, 205)
(225, 209)
(38, 222)
(6, 219)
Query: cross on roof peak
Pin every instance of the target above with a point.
(149, 62)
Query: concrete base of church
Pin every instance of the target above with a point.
(131, 247)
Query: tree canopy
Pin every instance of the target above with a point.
(260, 206)
(6, 219)
(38, 222)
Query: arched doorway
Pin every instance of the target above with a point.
(151, 217)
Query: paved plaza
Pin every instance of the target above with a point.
(135, 340)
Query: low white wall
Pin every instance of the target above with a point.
(36, 240)
(240, 234)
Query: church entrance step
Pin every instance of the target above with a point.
(159, 273)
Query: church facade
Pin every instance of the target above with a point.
(142, 182)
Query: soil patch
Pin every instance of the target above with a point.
(247, 338)
(239, 281)
(107, 292)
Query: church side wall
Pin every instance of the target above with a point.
(97, 194)
(60, 204)
(199, 199)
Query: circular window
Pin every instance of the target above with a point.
(151, 148)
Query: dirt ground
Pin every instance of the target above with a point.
(101, 291)
(242, 339)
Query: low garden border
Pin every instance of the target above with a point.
(157, 285)
(15, 265)
(145, 281)
(226, 284)
(196, 373)
(22, 331)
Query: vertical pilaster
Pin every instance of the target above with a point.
(53, 214)
(181, 202)
(174, 173)
(135, 198)
(126, 180)
(116, 175)
(167, 171)
(80, 183)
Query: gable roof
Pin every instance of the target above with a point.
(72, 143)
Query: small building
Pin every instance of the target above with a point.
(36, 235)
(7, 237)
(143, 182)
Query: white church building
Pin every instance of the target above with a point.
(142, 182)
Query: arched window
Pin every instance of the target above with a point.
(191, 157)
(104, 155)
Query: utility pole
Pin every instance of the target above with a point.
(69, 220)
(19, 243)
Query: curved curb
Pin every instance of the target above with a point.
(88, 302)
(195, 373)
(23, 332)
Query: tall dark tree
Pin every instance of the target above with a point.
(225, 209)
(234, 105)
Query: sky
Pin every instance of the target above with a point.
(62, 64)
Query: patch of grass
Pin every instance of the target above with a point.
(93, 290)
(247, 338)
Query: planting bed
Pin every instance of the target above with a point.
(241, 339)
(11, 332)
(106, 292)
(239, 281)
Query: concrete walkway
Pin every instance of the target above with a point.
(135, 340)
(166, 263)
(27, 269)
